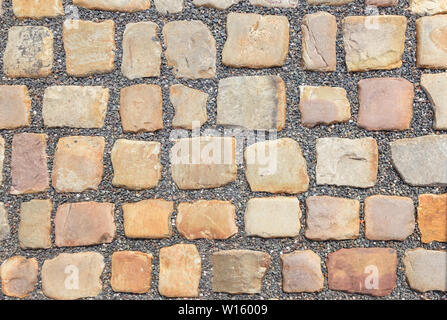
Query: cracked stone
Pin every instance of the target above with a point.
(323, 105)
(423, 7)
(319, 36)
(75, 106)
(4, 224)
(434, 86)
(274, 217)
(89, 47)
(206, 219)
(374, 42)
(432, 217)
(60, 275)
(239, 271)
(180, 271)
(190, 49)
(141, 51)
(276, 166)
(15, 107)
(148, 219)
(35, 224)
(256, 41)
(169, 6)
(217, 4)
(19, 276)
(114, 5)
(136, 164)
(190, 106)
(421, 161)
(37, 9)
(347, 162)
(252, 102)
(431, 34)
(29, 169)
(29, 52)
(131, 271)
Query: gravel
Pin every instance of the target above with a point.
(239, 192)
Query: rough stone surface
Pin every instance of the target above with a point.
(274, 217)
(131, 271)
(206, 219)
(180, 271)
(78, 163)
(190, 49)
(4, 224)
(363, 270)
(347, 162)
(15, 107)
(148, 219)
(19, 276)
(35, 224)
(301, 272)
(141, 108)
(389, 217)
(136, 164)
(37, 9)
(431, 33)
(252, 102)
(71, 276)
(256, 41)
(217, 4)
(169, 6)
(275, 3)
(29, 169)
(89, 47)
(328, 2)
(434, 86)
(190, 106)
(428, 6)
(114, 5)
(432, 217)
(203, 162)
(29, 52)
(141, 51)
(331, 218)
(374, 42)
(385, 103)
(382, 3)
(75, 106)
(239, 271)
(84, 224)
(2, 158)
(421, 161)
(276, 166)
(426, 270)
(318, 43)
(323, 105)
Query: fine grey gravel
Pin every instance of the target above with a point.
(238, 192)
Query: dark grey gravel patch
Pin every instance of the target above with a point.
(238, 192)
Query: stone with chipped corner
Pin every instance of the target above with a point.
(252, 102)
(216, 4)
(78, 163)
(190, 49)
(323, 105)
(169, 6)
(131, 271)
(75, 106)
(432, 217)
(347, 162)
(37, 9)
(318, 42)
(35, 224)
(256, 41)
(180, 271)
(431, 49)
(148, 219)
(374, 42)
(29, 52)
(276, 166)
(421, 161)
(19, 276)
(89, 47)
(203, 162)
(15, 107)
(141, 51)
(273, 217)
(190, 106)
(423, 7)
(136, 164)
(114, 5)
(71, 276)
(4, 224)
(434, 86)
(29, 169)
(239, 271)
(206, 219)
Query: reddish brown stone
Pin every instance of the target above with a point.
(131, 271)
(432, 217)
(385, 104)
(19, 276)
(29, 170)
(363, 270)
(84, 224)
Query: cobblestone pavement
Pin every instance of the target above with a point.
(95, 203)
